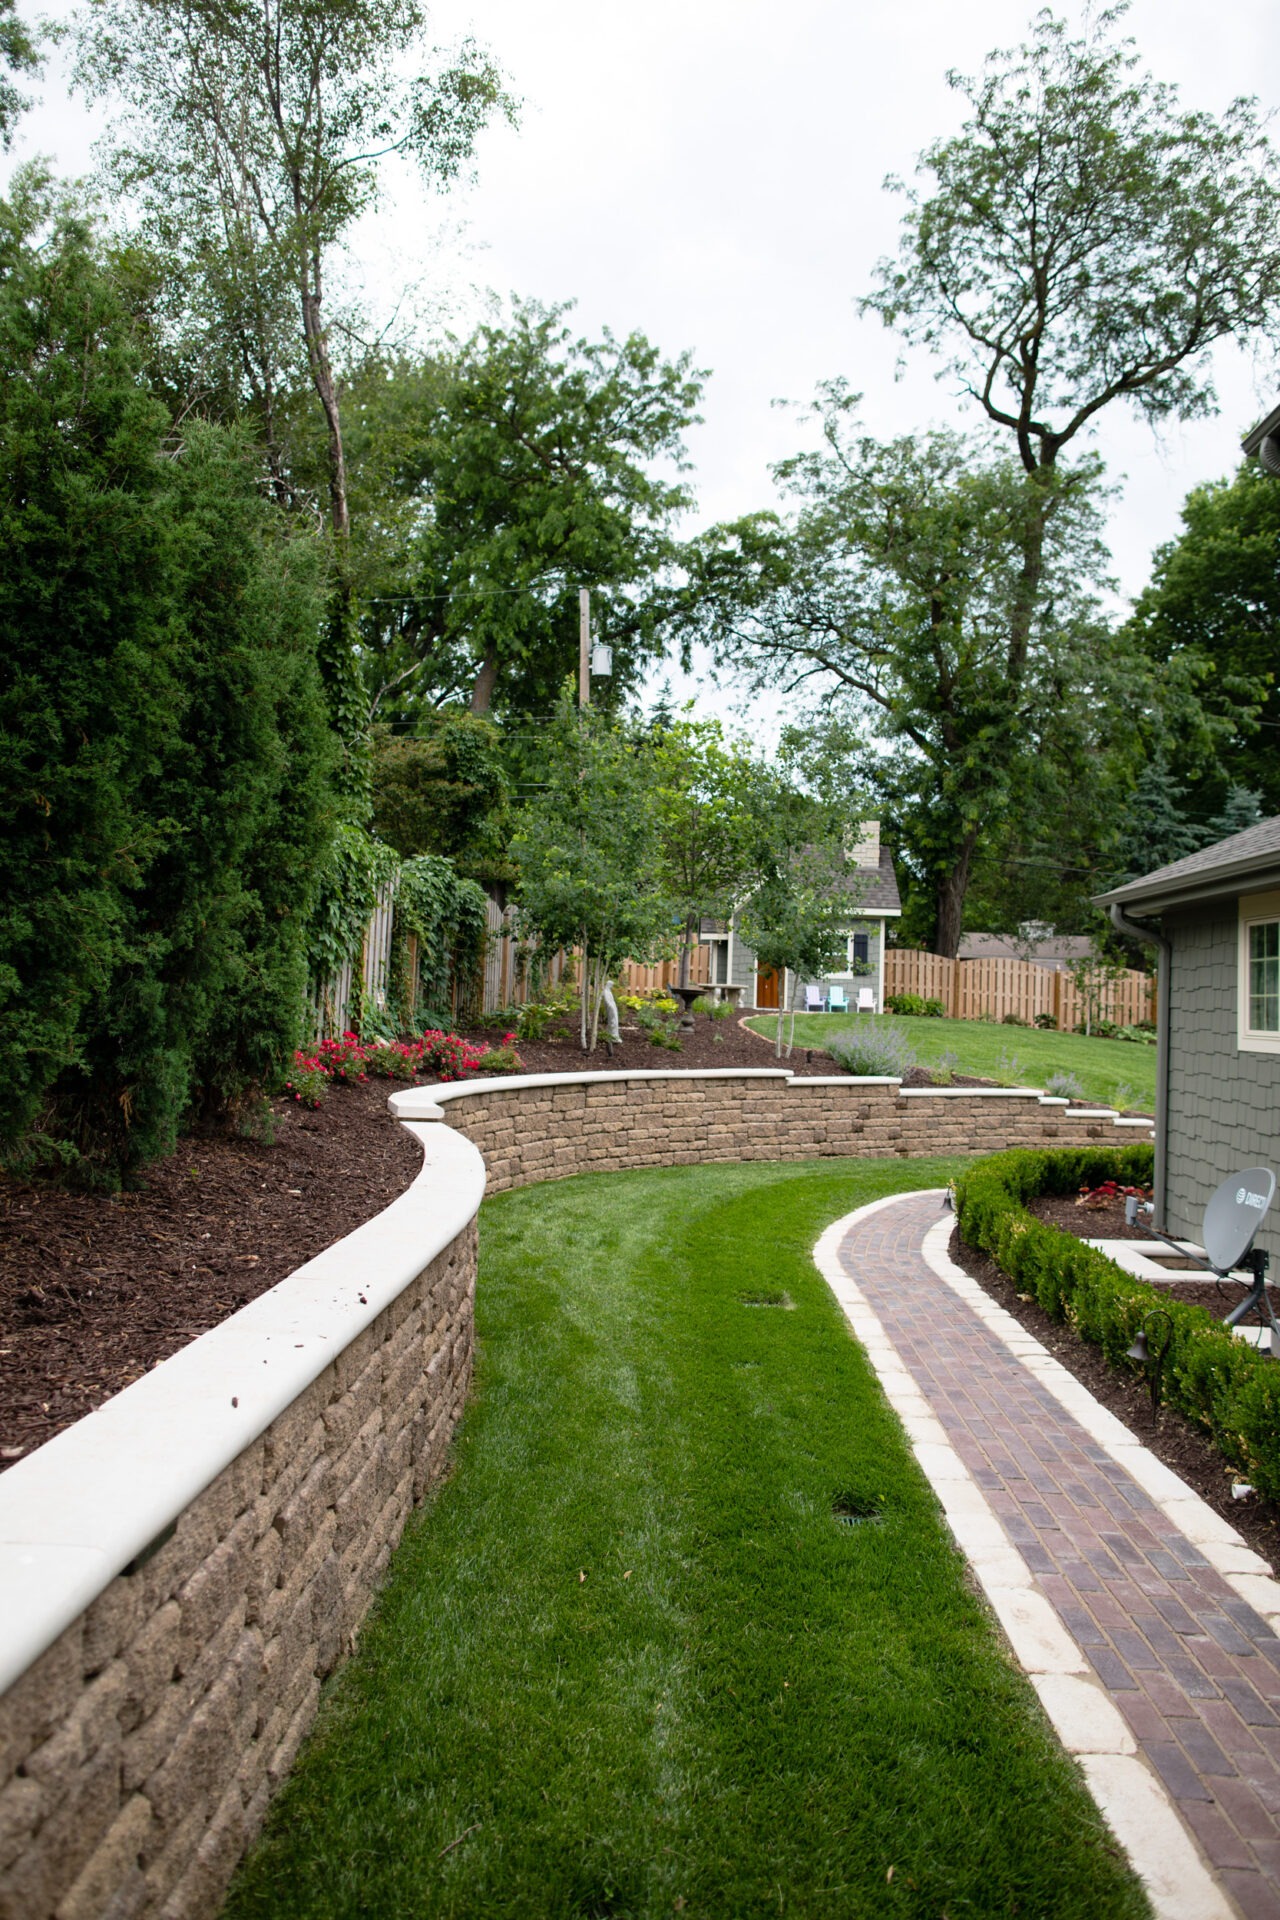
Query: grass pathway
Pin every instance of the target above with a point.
(1116, 1073)
(628, 1663)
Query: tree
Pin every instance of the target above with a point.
(1214, 602)
(521, 466)
(164, 754)
(1084, 244)
(19, 53)
(890, 595)
(714, 809)
(586, 849)
(443, 790)
(253, 139)
(797, 921)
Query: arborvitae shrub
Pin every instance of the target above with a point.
(164, 752)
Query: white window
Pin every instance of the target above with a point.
(1258, 982)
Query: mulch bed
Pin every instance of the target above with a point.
(95, 1290)
(1175, 1440)
(712, 1043)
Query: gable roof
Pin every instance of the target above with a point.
(1244, 863)
(877, 886)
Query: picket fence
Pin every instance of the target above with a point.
(990, 989)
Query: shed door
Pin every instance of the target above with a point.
(766, 986)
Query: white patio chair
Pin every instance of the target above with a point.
(866, 999)
(815, 1001)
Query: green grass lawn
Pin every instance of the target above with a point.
(628, 1662)
(1113, 1072)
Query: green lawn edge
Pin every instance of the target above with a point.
(1115, 1073)
(627, 1663)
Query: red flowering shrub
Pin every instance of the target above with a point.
(343, 1061)
(447, 1056)
(1107, 1191)
(306, 1082)
(393, 1059)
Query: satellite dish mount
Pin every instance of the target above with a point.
(1231, 1222)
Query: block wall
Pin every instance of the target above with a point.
(139, 1753)
(550, 1132)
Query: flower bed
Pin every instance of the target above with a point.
(1223, 1384)
(436, 1055)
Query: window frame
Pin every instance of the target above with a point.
(1255, 910)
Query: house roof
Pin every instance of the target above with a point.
(1244, 863)
(1053, 950)
(877, 886)
(1254, 439)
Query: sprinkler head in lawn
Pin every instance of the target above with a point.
(856, 1510)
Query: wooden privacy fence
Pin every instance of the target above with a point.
(990, 989)
(330, 1004)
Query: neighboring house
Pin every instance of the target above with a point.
(1047, 949)
(1215, 916)
(874, 889)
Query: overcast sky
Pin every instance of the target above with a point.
(710, 172)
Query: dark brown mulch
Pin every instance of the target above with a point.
(1175, 1440)
(95, 1291)
(712, 1043)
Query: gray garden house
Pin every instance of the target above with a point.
(1215, 918)
(874, 902)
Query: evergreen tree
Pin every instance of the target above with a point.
(164, 752)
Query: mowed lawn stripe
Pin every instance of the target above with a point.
(628, 1662)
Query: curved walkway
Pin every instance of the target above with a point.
(1146, 1625)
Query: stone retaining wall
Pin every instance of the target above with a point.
(541, 1127)
(181, 1569)
(139, 1751)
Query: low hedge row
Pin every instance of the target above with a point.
(1222, 1383)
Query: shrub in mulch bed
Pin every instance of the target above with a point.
(1223, 1384)
(436, 1055)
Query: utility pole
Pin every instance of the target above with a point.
(584, 647)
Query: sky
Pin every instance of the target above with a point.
(710, 173)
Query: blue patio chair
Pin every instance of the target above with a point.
(837, 1000)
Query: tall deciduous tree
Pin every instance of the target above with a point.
(715, 809)
(502, 477)
(1214, 599)
(252, 140)
(891, 592)
(586, 848)
(19, 54)
(797, 921)
(1081, 244)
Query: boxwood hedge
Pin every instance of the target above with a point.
(1223, 1384)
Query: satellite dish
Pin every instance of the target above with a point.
(1269, 454)
(1234, 1214)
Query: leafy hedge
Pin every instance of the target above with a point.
(1223, 1384)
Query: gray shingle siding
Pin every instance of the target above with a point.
(1224, 1105)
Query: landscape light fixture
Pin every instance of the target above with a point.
(1150, 1349)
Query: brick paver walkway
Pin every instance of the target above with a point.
(1192, 1668)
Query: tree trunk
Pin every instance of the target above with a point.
(485, 681)
(326, 390)
(950, 890)
(686, 949)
